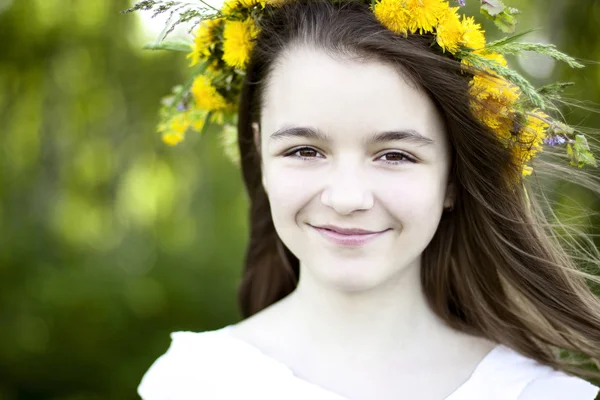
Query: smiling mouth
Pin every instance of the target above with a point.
(348, 237)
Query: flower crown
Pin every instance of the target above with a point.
(501, 98)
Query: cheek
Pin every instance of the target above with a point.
(413, 197)
(289, 190)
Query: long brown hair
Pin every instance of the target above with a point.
(496, 267)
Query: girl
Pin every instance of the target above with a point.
(394, 251)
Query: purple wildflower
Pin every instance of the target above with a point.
(555, 140)
(462, 3)
(180, 107)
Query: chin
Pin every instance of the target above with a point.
(352, 275)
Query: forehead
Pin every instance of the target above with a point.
(309, 87)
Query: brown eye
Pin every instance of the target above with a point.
(396, 157)
(304, 152)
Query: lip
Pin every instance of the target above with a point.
(348, 236)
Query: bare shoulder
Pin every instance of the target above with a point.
(262, 330)
(461, 349)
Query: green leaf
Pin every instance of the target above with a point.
(579, 152)
(490, 46)
(560, 128)
(140, 5)
(587, 158)
(585, 155)
(572, 156)
(549, 93)
(503, 17)
(493, 7)
(554, 89)
(206, 123)
(173, 46)
(545, 49)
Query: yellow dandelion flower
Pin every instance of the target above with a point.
(486, 86)
(393, 15)
(424, 14)
(197, 118)
(206, 95)
(203, 40)
(171, 138)
(229, 6)
(474, 37)
(218, 117)
(532, 135)
(173, 131)
(213, 67)
(449, 31)
(252, 3)
(238, 41)
(493, 101)
(494, 117)
(179, 123)
(527, 170)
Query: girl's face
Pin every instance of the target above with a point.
(352, 147)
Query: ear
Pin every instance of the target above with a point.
(264, 184)
(256, 135)
(450, 198)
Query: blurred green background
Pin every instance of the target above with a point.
(109, 240)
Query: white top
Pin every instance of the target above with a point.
(216, 365)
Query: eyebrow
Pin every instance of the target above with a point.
(408, 135)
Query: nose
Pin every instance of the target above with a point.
(347, 191)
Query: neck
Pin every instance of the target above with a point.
(391, 316)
